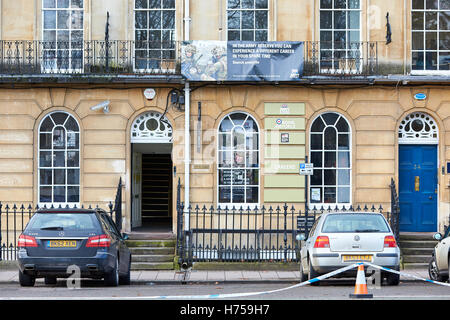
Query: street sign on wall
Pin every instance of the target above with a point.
(306, 169)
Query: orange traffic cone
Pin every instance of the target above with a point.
(361, 285)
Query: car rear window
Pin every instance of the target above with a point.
(355, 223)
(63, 221)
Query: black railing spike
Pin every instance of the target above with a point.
(90, 207)
(373, 208)
(337, 208)
(14, 207)
(380, 208)
(351, 208)
(358, 208)
(365, 207)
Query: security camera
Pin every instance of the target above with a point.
(102, 105)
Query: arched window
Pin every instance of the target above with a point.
(238, 161)
(59, 159)
(418, 128)
(150, 127)
(330, 152)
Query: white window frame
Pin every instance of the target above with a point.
(53, 67)
(425, 50)
(332, 205)
(254, 29)
(146, 135)
(348, 48)
(168, 68)
(407, 135)
(52, 167)
(244, 205)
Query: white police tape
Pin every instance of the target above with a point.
(246, 294)
(406, 274)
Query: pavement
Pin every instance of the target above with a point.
(10, 275)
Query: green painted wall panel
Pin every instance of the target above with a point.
(284, 181)
(284, 123)
(274, 137)
(279, 108)
(284, 152)
(284, 195)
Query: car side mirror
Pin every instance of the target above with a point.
(437, 236)
(125, 236)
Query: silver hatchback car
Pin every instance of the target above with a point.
(339, 239)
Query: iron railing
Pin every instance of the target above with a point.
(23, 57)
(341, 59)
(14, 218)
(395, 211)
(125, 57)
(260, 234)
(265, 234)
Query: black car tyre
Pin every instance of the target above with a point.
(26, 280)
(433, 271)
(312, 274)
(303, 275)
(126, 280)
(393, 279)
(50, 280)
(112, 277)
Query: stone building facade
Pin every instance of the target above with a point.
(360, 128)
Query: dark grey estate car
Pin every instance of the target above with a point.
(56, 239)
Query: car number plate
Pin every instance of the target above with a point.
(351, 258)
(62, 244)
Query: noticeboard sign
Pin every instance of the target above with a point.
(242, 60)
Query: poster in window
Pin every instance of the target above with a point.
(315, 194)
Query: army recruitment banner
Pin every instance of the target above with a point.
(242, 60)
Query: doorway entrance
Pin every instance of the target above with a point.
(418, 188)
(152, 180)
(418, 173)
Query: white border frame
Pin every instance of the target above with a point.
(70, 49)
(437, 51)
(347, 49)
(254, 29)
(57, 204)
(147, 70)
(246, 205)
(318, 205)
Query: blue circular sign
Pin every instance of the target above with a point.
(420, 96)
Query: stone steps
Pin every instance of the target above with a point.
(416, 249)
(152, 254)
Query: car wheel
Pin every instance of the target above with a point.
(312, 274)
(112, 277)
(50, 280)
(303, 275)
(26, 280)
(433, 271)
(393, 279)
(126, 280)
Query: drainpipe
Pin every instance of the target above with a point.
(187, 137)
